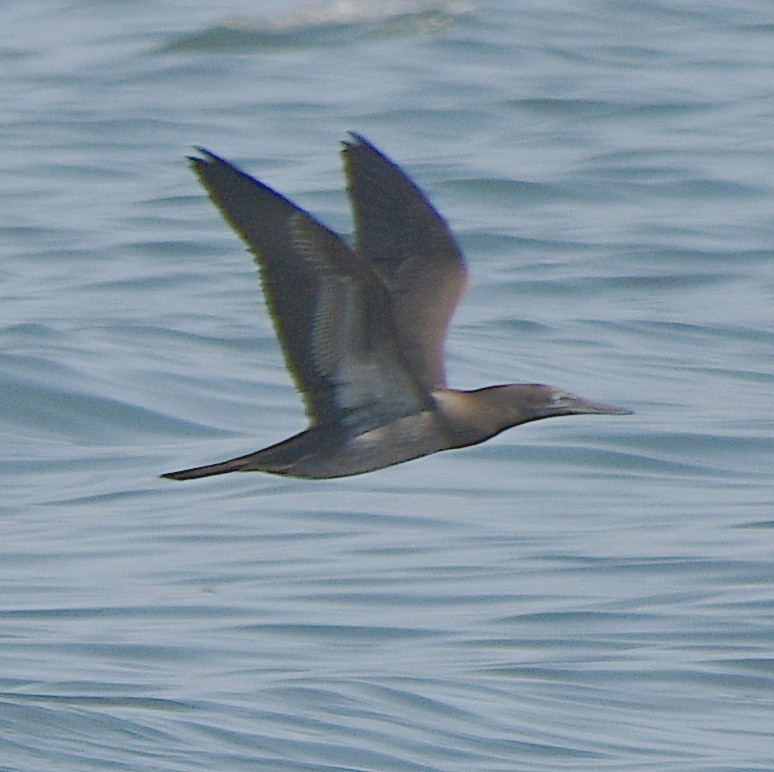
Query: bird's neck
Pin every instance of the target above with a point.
(471, 417)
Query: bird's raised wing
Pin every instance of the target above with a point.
(411, 247)
(330, 309)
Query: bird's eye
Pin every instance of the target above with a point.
(561, 398)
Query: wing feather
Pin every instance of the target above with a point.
(331, 310)
(411, 247)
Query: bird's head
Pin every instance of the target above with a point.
(548, 401)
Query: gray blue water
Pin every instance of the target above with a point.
(586, 593)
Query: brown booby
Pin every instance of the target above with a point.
(363, 328)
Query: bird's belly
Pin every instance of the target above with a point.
(402, 440)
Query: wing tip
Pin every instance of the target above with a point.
(211, 160)
(357, 141)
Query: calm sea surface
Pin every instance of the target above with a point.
(583, 594)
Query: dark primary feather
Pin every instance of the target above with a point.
(331, 310)
(412, 248)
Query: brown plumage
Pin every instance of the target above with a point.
(363, 328)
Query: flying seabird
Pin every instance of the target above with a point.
(363, 328)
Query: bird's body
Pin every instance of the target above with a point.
(363, 328)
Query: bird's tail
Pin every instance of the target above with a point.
(232, 465)
(276, 459)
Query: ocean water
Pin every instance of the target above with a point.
(589, 593)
